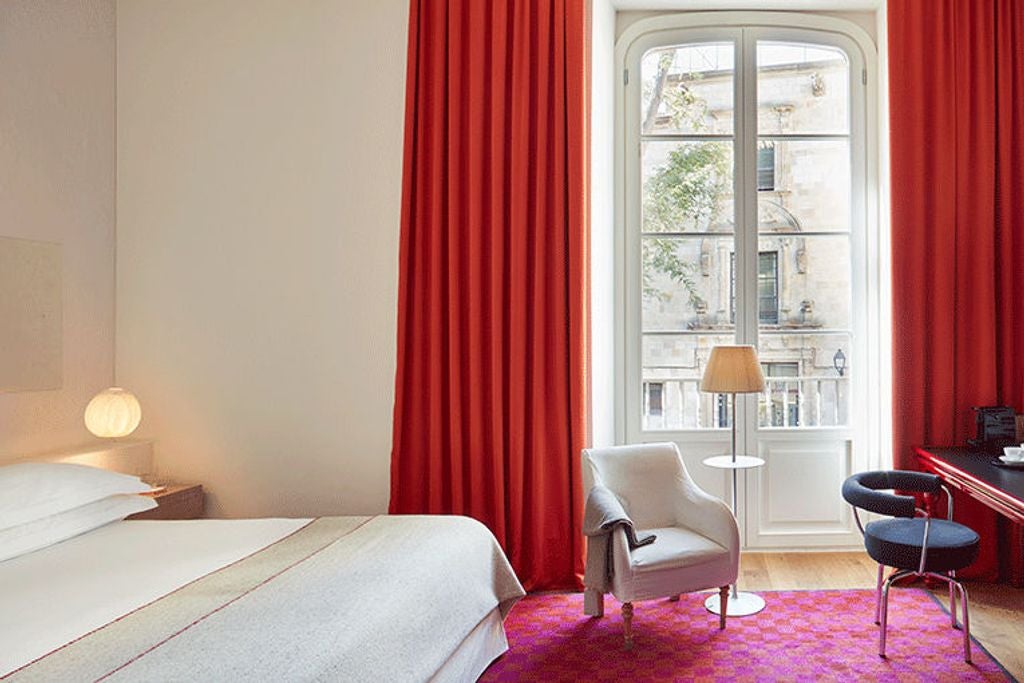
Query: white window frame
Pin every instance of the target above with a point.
(870, 410)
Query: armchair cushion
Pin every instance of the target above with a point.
(676, 547)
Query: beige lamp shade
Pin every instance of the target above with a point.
(113, 413)
(733, 370)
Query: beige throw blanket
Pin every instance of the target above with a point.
(342, 599)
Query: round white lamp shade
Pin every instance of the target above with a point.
(113, 413)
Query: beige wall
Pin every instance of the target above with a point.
(57, 66)
(259, 167)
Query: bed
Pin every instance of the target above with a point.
(396, 598)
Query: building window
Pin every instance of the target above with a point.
(766, 166)
(654, 398)
(767, 288)
(783, 390)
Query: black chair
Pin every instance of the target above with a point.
(912, 543)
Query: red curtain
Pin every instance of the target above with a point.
(491, 389)
(956, 76)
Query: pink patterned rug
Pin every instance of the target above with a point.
(800, 636)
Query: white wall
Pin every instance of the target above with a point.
(57, 66)
(602, 223)
(259, 166)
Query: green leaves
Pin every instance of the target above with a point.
(685, 194)
(660, 254)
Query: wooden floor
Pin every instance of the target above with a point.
(997, 611)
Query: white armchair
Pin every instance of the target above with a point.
(697, 545)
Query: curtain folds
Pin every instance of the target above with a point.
(956, 76)
(491, 386)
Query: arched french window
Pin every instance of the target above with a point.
(746, 157)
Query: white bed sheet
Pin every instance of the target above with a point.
(52, 596)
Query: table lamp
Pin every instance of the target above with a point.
(734, 370)
(113, 413)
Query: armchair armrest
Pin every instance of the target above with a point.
(699, 511)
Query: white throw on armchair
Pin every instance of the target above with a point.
(697, 540)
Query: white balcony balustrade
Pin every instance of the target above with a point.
(787, 403)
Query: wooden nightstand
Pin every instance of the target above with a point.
(177, 501)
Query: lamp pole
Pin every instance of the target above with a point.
(735, 490)
(733, 420)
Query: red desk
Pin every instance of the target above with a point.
(973, 473)
(999, 488)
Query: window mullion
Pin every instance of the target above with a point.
(746, 180)
(747, 247)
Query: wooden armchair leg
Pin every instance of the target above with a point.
(627, 624)
(723, 601)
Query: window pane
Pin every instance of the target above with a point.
(811, 282)
(687, 186)
(675, 363)
(802, 88)
(688, 90)
(807, 380)
(811, 188)
(687, 283)
(765, 166)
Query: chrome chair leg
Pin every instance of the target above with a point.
(952, 599)
(884, 617)
(966, 622)
(895, 576)
(878, 592)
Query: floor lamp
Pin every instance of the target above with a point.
(734, 370)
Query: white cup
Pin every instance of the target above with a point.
(1013, 454)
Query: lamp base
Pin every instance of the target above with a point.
(740, 605)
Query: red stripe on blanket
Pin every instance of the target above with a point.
(236, 598)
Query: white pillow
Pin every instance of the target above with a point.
(34, 490)
(44, 532)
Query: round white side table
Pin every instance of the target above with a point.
(740, 604)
